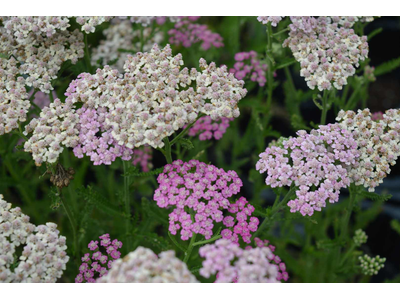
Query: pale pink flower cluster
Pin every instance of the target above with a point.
(318, 163)
(54, 129)
(14, 103)
(141, 107)
(327, 48)
(144, 266)
(44, 256)
(40, 45)
(89, 23)
(378, 142)
(230, 263)
(121, 36)
(206, 128)
(274, 20)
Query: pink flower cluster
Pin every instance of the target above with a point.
(274, 20)
(204, 190)
(206, 128)
(230, 263)
(241, 210)
(317, 163)
(248, 64)
(282, 274)
(142, 156)
(96, 264)
(186, 33)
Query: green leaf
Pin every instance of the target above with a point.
(55, 198)
(387, 67)
(375, 196)
(155, 240)
(185, 143)
(99, 201)
(328, 244)
(153, 211)
(134, 172)
(395, 226)
(374, 33)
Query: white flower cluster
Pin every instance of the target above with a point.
(144, 266)
(360, 237)
(378, 143)
(371, 265)
(89, 23)
(55, 127)
(43, 258)
(274, 20)
(13, 96)
(327, 48)
(40, 45)
(121, 35)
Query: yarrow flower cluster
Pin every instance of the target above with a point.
(55, 128)
(207, 129)
(186, 33)
(120, 35)
(89, 23)
(371, 265)
(99, 260)
(327, 48)
(40, 45)
(360, 237)
(14, 103)
(321, 159)
(142, 156)
(248, 64)
(205, 190)
(239, 222)
(274, 20)
(144, 266)
(43, 258)
(378, 143)
(230, 263)
(141, 107)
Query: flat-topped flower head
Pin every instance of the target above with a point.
(14, 103)
(318, 163)
(205, 191)
(274, 20)
(378, 141)
(97, 262)
(144, 266)
(230, 263)
(44, 256)
(247, 65)
(187, 33)
(327, 48)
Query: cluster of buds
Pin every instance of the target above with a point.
(360, 237)
(371, 265)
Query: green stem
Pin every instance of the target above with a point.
(127, 207)
(279, 32)
(33, 95)
(324, 107)
(176, 242)
(270, 70)
(183, 132)
(190, 248)
(347, 214)
(73, 225)
(348, 253)
(275, 209)
(214, 238)
(141, 39)
(167, 150)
